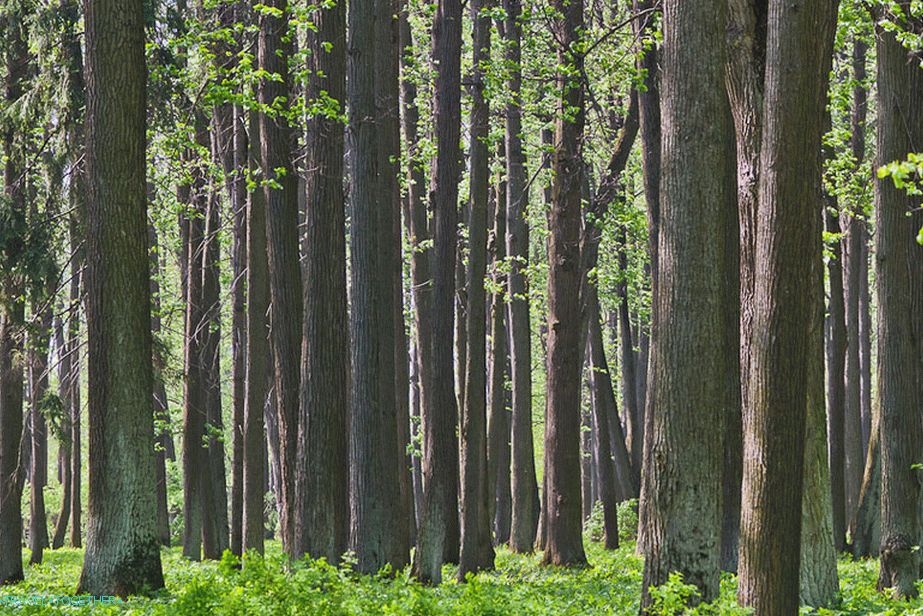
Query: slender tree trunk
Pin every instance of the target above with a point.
(122, 555)
(438, 537)
(564, 545)
(498, 418)
(854, 454)
(609, 477)
(38, 387)
(899, 272)
(630, 400)
(799, 35)
(322, 482)
(258, 366)
(65, 372)
(477, 552)
(524, 486)
(835, 392)
(276, 147)
(681, 491)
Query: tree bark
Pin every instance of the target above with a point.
(681, 491)
(38, 387)
(322, 482)
(122, 556)
(799, 35)
(286, 305)
(258, 366)
(900, 306)
(374, 485)
(439, 530)
(836, 354)
(564, 543)
(524, 486)
(477, 552)
(498, 417)
(865, 528)
(12, 316)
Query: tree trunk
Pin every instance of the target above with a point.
(12, 316)
(439, 530)
(374, 486)
(865, 529)
(524, 486)
(564, 544)
(258, 366)
(854, 454)
(836, 354)
(66, 374)
(819, 583)
(899, 271)
(498, 417)
(122, 556)
(276, 147)
(477, 552)
(38, 387)
(799, 35)
(609, 476)
(322, 482)
(161, 410)
(681, 491)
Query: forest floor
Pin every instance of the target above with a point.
(611, 585)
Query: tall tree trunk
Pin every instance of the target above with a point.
(836, 354)
(524, 486)
(322, 482)
(418, 234)
(854, 454)
(258, 366)
(12, 316)
(630, 401)
(161, 411)
(498, 415)
(438, 537)
(564, 544)
(681, 490)
(477, 552)
(899, 271)
(123, 550)
(286, 311)
(216, 506)
(799, 35)
(857, 145)
(374, 486)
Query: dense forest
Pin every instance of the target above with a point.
(481, 306)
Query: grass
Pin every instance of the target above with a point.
(520, 585)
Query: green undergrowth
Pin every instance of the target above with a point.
(611, 585)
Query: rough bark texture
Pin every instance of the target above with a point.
(899, 261)
(276, 143)
(322, 483)
(681, 491)
(799, 35)
(439, 523)
(524, 484)
(123, 553)
(375, 533)
(477, 552)
(865, 528)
